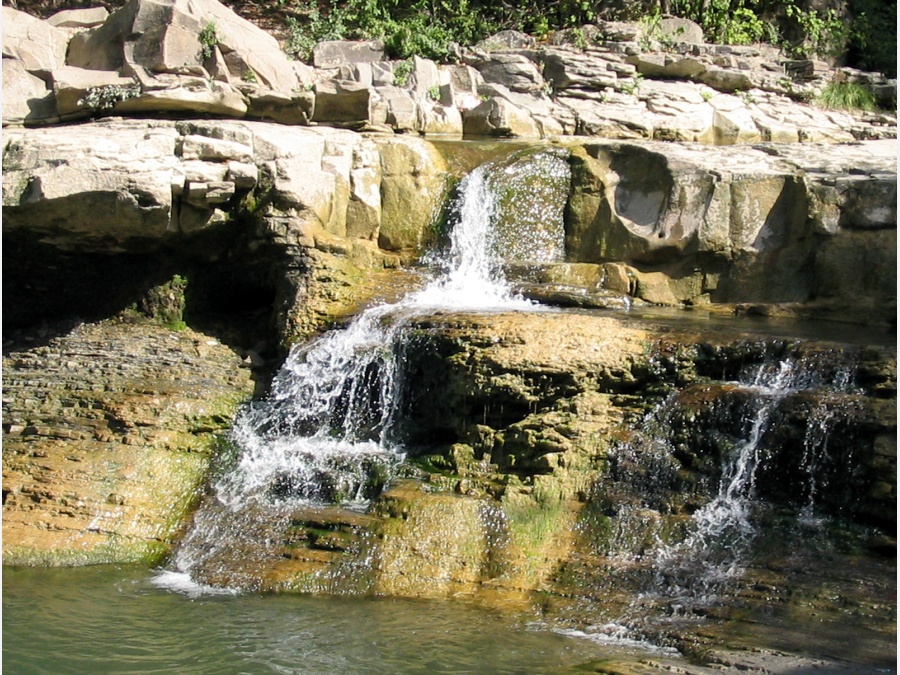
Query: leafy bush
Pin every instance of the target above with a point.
(824, 34)
(105, 97)
(873, 42)
(427, 28)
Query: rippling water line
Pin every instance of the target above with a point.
(104, 620)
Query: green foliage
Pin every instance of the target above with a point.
(634, 86)
(428, 28)
(208, 40)
(318, 28)
(107, 96)
(402, 71)
(424, 27)
(724, 21)
(825, 34)
(846, 96)
(873, 41)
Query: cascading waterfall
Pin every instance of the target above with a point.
(692, 572)
(325, 433)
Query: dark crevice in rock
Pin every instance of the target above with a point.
(212, 285)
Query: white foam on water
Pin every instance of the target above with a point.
(181, 583)
(616, 635)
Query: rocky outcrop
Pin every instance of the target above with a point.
(801, 230)
(564, 448)
(740, 225)
(611, 80)
(318, 200)
(109, 433)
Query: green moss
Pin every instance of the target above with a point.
(534, 525)
(118, 550)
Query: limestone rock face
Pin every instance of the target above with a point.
(514, 71)
(117, 187)
(737, 225)
(336, 53)
(38, 44)
(611, 81)
(79, 18)
(545, 422)
(412, 189)
(165, 37)
(25, 96)
(108, 435)
(499, 117)
(343, 103)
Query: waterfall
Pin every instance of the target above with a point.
(325, 433)
(690, 573)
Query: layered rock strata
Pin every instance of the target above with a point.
(109, 432)
(610, 80)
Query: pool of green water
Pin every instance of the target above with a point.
(112, 619)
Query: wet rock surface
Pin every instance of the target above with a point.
(554, 466)
(108, 433)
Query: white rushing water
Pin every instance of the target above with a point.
(323, 434)
(721, 532)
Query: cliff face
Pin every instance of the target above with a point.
(262, 227)
(289, 221)
(109, 434)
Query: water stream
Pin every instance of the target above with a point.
(326, 433)
(699, 567)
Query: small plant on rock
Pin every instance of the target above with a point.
(634, 86)
(208, 41)
(402, 71)
(103, 98)
(842, 95)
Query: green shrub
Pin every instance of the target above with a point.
(824, 34)
(402, 71)
(105, 97)
(846, 96)
(873, 41)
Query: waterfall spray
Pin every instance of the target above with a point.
(325, 433)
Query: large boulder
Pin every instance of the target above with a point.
(26, 98)
(343, 103)
(37, 43)
(500, 117)
(78, 187)
(514, 71)
(337, 53)
(412, 190)
(89, 17)
(174, 36)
